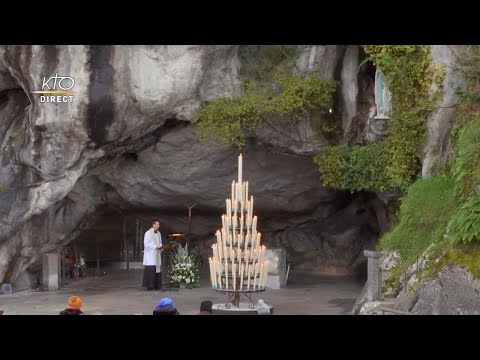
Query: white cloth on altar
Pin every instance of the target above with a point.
(150, 248)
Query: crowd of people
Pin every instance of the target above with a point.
(164, 306)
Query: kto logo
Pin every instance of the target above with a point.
(58, 89)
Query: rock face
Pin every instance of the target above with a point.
(437, 146)
(126, 140)
(453, 291)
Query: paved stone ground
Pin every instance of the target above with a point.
(119, 293)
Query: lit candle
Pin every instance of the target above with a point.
(242, 267)
(234, 278)
(237, 195)
(226, 274)
(246, 191)
(241, 221)
(251, 208)
(240, 169)
(248, 276)
(238, 248)
(219, 274)
(255, 275)
(260, 283)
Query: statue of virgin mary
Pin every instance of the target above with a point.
(383, 97)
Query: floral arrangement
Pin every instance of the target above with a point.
(184, 269)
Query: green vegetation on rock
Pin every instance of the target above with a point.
(272, 94)
(392, 162)
(445, 210)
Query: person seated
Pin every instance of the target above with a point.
(206, 308)
(74, 306)
(165, 307)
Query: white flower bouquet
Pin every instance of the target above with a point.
(183, 268)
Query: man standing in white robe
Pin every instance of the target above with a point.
(152, 261)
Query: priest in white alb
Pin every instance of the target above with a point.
(152, 260)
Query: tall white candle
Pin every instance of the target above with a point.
(255, 275)
(242, 267)
(233, 189)
(226, 273)
(248, 276)
(234, 278)
(246, 191)
(254, 224)
(219, 275)
(260, 268)
(241, 222)
(240, 169)
(251, 208)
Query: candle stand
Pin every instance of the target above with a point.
(238, 267)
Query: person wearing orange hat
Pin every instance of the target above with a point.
(74, 306)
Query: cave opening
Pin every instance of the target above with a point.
(332, 245)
